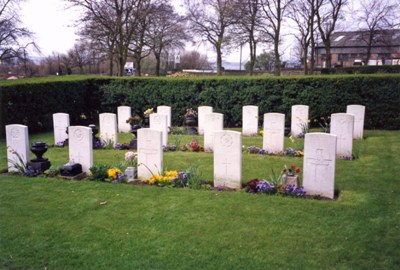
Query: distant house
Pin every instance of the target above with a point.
(350, 48)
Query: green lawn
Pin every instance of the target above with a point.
(58, 224)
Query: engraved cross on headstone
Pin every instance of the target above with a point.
(226, 163)
(318, 162)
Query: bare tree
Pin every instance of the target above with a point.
(302, 12)
(80, 56)
(375, 16)
(210, 19)
(166, 31)
(113, 22)
(273, 13)
(328, 13)
(194, 60)
(10, 31)
(247, 28)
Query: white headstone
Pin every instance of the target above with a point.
(124, 112)
(274, 132)
(167, 111)
(250, 120)
(108, 128)
(160, 122)
(319, 164)
(81, 146)
(17, 140)
(299, 119)
(342, 125)
(150, 153)
(202, 111)
(212, 122)
(60, 124)
(359, 114)
(227, 159)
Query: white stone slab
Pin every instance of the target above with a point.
(227, 159)
(359, 114)
(124, 112)
(167, 111)
(202, 111)
(108, 128)
(274, 132)
(342, 125)
(17, 140)
(160, 122)
(299, 119)
(60, 124)
(150, 153)
(212, 122)
(81, 146)
(250, 120)
(319, 164)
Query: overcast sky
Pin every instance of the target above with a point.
(54, 28)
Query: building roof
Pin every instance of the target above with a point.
(383, 38)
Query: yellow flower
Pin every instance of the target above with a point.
(113, 173)
(261, 132)
(301, 153)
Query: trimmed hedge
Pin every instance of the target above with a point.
(362, 70)
(34, 104)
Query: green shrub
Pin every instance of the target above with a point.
(362, 70)
(33, 104)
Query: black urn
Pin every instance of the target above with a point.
(191, 121)
(39, 148)
(39, 163)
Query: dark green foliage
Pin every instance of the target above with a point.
(362, 70)
(33, 104)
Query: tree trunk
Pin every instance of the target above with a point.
(138, 63)
(277, 71)
(312, 60)
(253, 45)
(219, 60)
(305, 52)
(158, 63)
(328, 55)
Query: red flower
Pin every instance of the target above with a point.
(284, 170)
(298, 170)
(293, 167)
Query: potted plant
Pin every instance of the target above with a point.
(135, 122)
(146, 114)
(131, 161)
(290, 175)
(190, 117)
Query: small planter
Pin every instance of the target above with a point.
(131, 173)
(292, 180)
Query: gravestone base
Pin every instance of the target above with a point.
(75, 177)
(40, 165)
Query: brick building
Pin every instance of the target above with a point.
(350, 48)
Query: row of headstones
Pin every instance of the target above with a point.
(318, 167)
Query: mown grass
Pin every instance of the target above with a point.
(57, 224)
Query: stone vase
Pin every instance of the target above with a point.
(131, 173)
